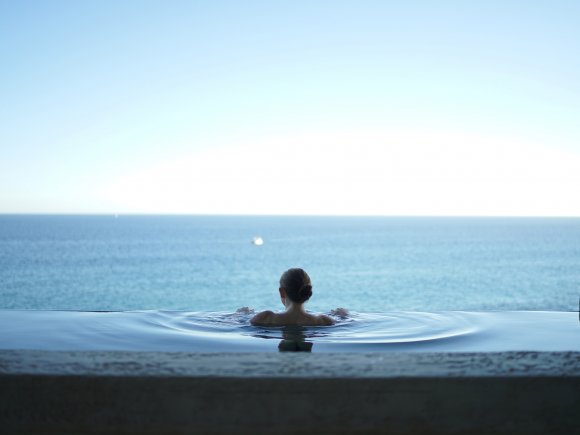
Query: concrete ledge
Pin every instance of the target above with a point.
(396, 393)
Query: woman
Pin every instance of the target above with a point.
(295, 289)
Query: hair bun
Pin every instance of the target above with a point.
(305, 292)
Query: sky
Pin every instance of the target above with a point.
(317, 107)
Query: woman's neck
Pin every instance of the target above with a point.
(293, 307)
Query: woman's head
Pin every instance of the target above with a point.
(296, 283)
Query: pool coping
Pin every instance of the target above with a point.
(49, 392)
(289, 364)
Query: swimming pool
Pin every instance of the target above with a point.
(183, 331)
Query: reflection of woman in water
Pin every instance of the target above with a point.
(295, 289)
(294, 340)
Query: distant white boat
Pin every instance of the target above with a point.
(258, 241)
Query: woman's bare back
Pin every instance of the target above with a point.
(269, 318)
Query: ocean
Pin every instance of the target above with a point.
(364, 264)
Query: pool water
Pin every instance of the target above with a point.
(183, 331)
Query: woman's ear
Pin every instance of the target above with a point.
(283, 295)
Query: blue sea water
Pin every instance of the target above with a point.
(366, 264)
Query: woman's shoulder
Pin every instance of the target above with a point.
(262, 318)
(324, 320)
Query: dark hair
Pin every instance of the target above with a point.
(297, 284)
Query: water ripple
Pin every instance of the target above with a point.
(367, 328)
(180, 331)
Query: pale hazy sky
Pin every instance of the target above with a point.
(277, 107)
